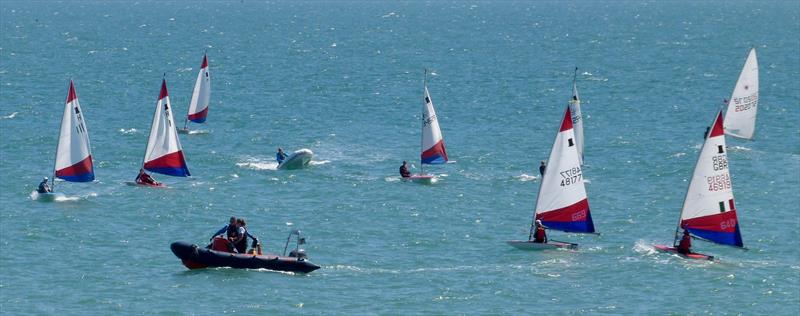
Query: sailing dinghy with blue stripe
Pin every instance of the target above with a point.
(164, 153)
(73, 160)
(201, 98)
(709, 212)
(433, 151)
(562, 203)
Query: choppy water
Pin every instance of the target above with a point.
(344, 79)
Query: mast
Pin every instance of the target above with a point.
(575, 78)
(422, 126)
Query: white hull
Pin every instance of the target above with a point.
(422, 178)
(297, 160)
(530, 245)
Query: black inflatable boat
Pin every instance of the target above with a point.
(196, 257)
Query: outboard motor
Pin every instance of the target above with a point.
(298, 253)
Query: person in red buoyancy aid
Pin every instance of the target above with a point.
(685, 245)
(540, 236)
(145, 178)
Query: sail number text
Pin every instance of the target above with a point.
(745, 103)
(571, 176)
(720, 162)
(719, 182)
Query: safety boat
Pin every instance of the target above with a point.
(220, 253)
(297, 160)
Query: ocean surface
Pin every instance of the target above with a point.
(344, 79)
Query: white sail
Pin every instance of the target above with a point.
(433, 151)
(562, 203)
(164, 153)
(201, 95)
(73, 154)
(740, 118)
(708, 209)
(577, 120)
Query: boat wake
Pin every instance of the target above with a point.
(524, 177)
(258, 164)
(643, 247)
(319, 163)
(738, 148)
(55, 197)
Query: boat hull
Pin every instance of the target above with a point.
(422, 178)
(49, 196)
(530, 245)
(194, 257)
(691, 255)
(297, 160)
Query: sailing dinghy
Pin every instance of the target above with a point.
(73, 160)
(577, 121)
(433, 152)
(740, 118)
(562, 203)
(201, 97)
(709, 212)
(163, 154)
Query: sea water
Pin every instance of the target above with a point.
(344, 79)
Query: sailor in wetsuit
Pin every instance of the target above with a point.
(404, 170)
(685, 246)
(540, 236)
(542, 168)
(280, 156)
(230, 232)
(43, 187)
(145, 178)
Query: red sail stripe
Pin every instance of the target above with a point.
(717, 130)
(71, 95)
(566, 124)
(164, 92)
(205, 62)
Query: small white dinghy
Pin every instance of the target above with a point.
(73, 161)
(201, 98)
(433, 152)
(562, 203)
(740, 118)
(297, 160)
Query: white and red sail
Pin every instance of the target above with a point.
(562, 203)
(577, 120)
(709, 211)
(740, 118)
(433, 151)
(73, 154)
(164, 153)
(201, 95)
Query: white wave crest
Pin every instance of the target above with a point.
(10, 116)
